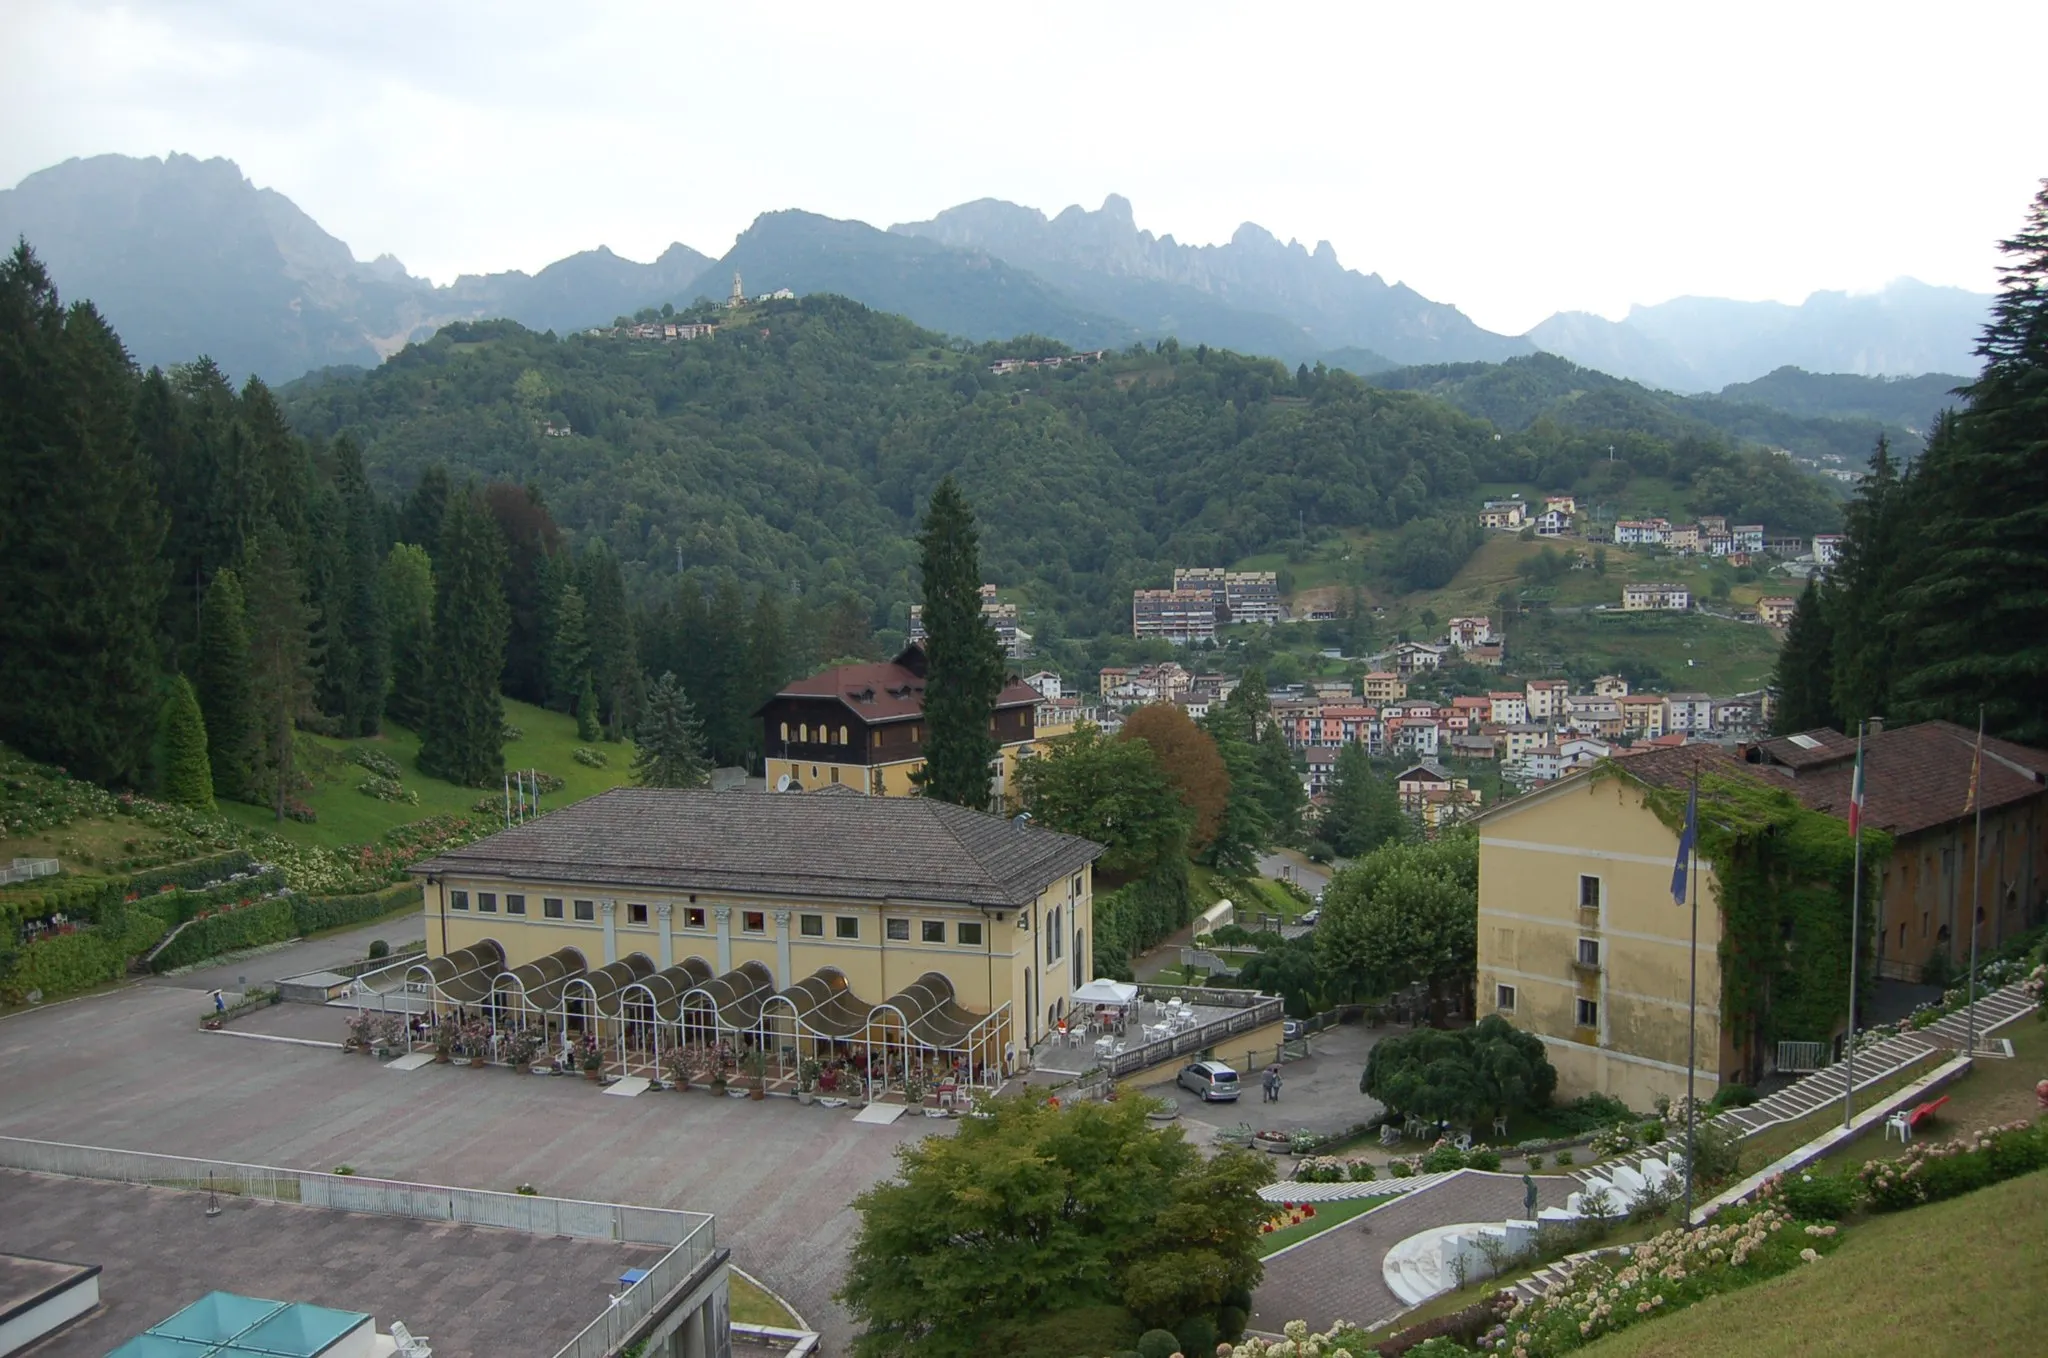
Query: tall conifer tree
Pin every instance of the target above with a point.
(280, 661)
(668, 743)
(1862, 592)
(965, 661)
(463, 739)
(420, 521)
(405, 595)
(186, 778)
(568, 649)
(224, 697)
(81, 584)
(1805, 677)
(614, 653)
(369, 677)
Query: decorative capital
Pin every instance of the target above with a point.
(664, 909)
(721, 913)
(782, 919)
(608, 907)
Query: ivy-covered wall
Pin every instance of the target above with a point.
(1783, 879)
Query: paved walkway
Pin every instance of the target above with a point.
(1336, 1275)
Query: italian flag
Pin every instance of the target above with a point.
(1856, 796)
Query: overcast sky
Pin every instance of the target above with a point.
(1514, 159)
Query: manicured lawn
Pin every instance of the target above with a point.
(1998, 1090)
(1692, 650)
(1961, 1276)
(1775, 1142)
(1328, 1215)
(752, 1306)
(349, 817)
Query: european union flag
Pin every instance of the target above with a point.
(1686, 840)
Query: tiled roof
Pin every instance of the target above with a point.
(1917, 777)
(780, 844)
(1673, 765)
(889, 690)
(1809, 748)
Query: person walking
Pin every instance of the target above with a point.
(1273, 1083)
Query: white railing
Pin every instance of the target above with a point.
(28, 869)
(689, 1237)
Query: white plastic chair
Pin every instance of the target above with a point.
(1898, 1123)
(410, 1345)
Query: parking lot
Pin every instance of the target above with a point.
(1318, 1093)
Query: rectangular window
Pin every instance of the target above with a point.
(458, 900)
(968, 935)
(1504, 998)
(753, 921)
(846, 926)
(586, 911)
(1074, 887)
(811, 926)
(1589, 1013)
(551, 907)
(636, 913)
(487, 902)
(515, 905)
(896, 930)
(693, 917)
(934, 930)
(1589, 952)
(1589, 893)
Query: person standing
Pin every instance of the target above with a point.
(1273, 1083)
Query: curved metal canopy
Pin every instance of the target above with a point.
(463, 976)
(736, 997)
(540, 983)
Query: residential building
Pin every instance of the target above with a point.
(1384, 686)
(1412, 657)
(1580, 945)
(1239, 596)
(1689, 714)
(1469, 714)
(1002, 617)
(1563, 504)
(979, 926)
(1194, 705)
(1465, 633)
(1785, 547)
(1683, 537)
(1713, 523)
(1333, 690)
(1638, 598)
(1642, 714)
(1553, 523)
(1642, 532)
(1046, 682)
(1416, 737)
(1056, 716)
(1322, 769)
(1741, 715)
(1593, 715)
(1487, 657)
(862, 727)
(1577, 752)
(1917, 789)
(1776, 609)
(1717, 544)
(1110, 678)
(1504, 514)
(1474, 745)
(1435, 796)
(1827, 547)
(1175, 615)
(1507, 709)
(1546, 699)
(1217, 686)
(1518, 739)
(1543, 764)
(1749, 538)
(1610, 686)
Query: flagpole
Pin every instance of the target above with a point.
(1855, 929)
(1976, 887)
(1692, 1001)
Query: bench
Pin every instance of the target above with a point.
(1907, 1123)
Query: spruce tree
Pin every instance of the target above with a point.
(419, 523)
(224, 697)
(614, 653)
(767, 661)
(186, 777)
(1863, 585)
(568, 650)
(587, 725)
(1975, 617)
(668, 742)
(405, 597)
(728, 688)
(1286, 798)
(1805, 677)
(964, 672)
(1347, 820)
(368, 681)
(280, 662)
(81, 584)
(463, 739)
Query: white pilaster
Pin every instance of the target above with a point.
(607, 909)
(664, 911)
(723, 914)
(782, 964)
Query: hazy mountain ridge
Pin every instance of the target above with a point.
(1253, 293)
(1701, 344)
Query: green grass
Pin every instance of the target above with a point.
(753, 1306)
(1780, 1140)
(348, 817)
(1694, 652)
(1328, 1215)
(1953, 1277)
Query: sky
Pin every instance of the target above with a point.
(1511, 159)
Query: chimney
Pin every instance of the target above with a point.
(1873, 726)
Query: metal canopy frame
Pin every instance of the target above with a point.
(926, 1018)
(652, 1004)
(535, 989)
(730, 1003)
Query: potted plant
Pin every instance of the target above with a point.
(718, 1079)
(593, 1062)
(361, 1028)
(757, 1070)
(808, 1073)
(525, 1047)
(828, 1080)
(679, 1069)
(913, 1089)
(444, 1044)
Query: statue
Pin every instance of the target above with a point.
(1528, 1198)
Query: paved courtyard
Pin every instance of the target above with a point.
(1317, 1094)
(131, 1069)
(467, 1289)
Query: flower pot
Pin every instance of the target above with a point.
(593, 1075)
(757, 1091)
(804, 1097)
(441, 1058)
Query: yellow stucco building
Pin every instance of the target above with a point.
(818, 922)
(1581, 944)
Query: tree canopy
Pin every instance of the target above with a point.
(964, 671)
(1404, 914)
(1110, 791)
(1492, 1069)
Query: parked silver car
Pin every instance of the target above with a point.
(1214, 1081)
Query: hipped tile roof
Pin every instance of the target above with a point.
(1916, 777)
(780, 844)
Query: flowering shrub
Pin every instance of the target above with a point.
(1930, 1171)
(1666, 1273)
(388, 790)
(1826, 1197)
(589, 758)
(1290, 1214)
(1615, 1140)
(377, 762)
(1322, 1169)
(1299, 1341)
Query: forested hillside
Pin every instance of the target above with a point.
(792, 447)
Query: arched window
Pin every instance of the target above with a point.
(803, 731)
(842, 736)
(785, 730)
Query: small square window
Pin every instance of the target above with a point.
(753, 921)
(487, 902)
(1589, 952)
(897, 930)
(934, 930)
(458, 900)
(693, 917)
(636, 913)
(515, 905)
(551, 907)
(1589, 1013)
(811, 926)
(586, 911)
(968, 934)
(846, 926)
(1589, 893)
(1504, 998)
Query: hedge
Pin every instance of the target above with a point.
(88, 900)
(278, 919)
(67, 963)
(317, 913)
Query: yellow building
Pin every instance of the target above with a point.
(901, 930)
(1383, 687)
(862, 727)
(1581, 944)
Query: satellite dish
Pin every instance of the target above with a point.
(782, 783)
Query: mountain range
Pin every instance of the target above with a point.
(188, 257)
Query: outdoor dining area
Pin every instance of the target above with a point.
(683, 1026)
(1109, 1018)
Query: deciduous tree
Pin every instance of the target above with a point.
(1111, 791)
(1491, 1069)
(1187, 755)
(1405, 913)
